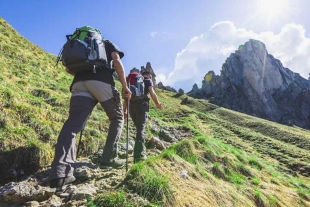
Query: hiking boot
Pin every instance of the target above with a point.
(60, 182)
(116, 163)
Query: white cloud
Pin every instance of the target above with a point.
(153, 34)
(161, 78)
(208, 51)
(161, 73)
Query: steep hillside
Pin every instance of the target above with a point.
(233, 159)
(34, 98)
(204, 155)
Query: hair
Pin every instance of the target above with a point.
(146, 73)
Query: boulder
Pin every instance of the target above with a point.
(155, 142)
(160, 85)
(181, 91)
(20, 192)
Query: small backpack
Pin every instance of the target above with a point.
(83, 51)
(136, 85)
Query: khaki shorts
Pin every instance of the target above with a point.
(96, 90)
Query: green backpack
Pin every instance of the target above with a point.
(83, 51)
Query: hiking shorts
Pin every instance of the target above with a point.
(96, 90)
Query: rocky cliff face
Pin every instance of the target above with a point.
(149, 68)
(160, 85)
(254, 82)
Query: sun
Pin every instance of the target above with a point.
(271, 12)
(272, 9)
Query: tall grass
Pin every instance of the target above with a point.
(150, 184)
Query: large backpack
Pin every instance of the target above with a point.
(84, 50)
(136, 85)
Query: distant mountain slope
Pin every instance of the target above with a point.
(254, 82)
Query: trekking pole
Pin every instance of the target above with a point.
(79, 145)
(127, 134)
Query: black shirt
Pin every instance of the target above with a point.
(104, 73)
(147, 83)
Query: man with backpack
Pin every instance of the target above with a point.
(140, 86)
(86, 56)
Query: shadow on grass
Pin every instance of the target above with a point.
(177, 95)
(18, 163)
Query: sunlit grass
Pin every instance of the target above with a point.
(150, 184)
(34, 98)
(115, 199)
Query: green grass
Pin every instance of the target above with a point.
(34, 98)
(111, 199)
(168, 154)
(218, 171)
(304, 193)
(150, 184)
(254, 163)
(236, 178)
(273, 201)
(256, 181)
(186, 150)
(259, 198)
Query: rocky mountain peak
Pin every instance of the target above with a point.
(254, 82)
(149, 68)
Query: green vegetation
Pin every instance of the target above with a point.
(150, 183)
(34, 99)
(116, 199)
(230, 159)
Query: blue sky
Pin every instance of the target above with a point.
(183, 39)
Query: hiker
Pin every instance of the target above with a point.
(138, 110)
(87, 89)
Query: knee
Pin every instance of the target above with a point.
(117, 119)
(121, 120)
(72, 126)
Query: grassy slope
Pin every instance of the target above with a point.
(34, 98)
(233, 160)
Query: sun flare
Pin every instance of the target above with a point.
(272, 8)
